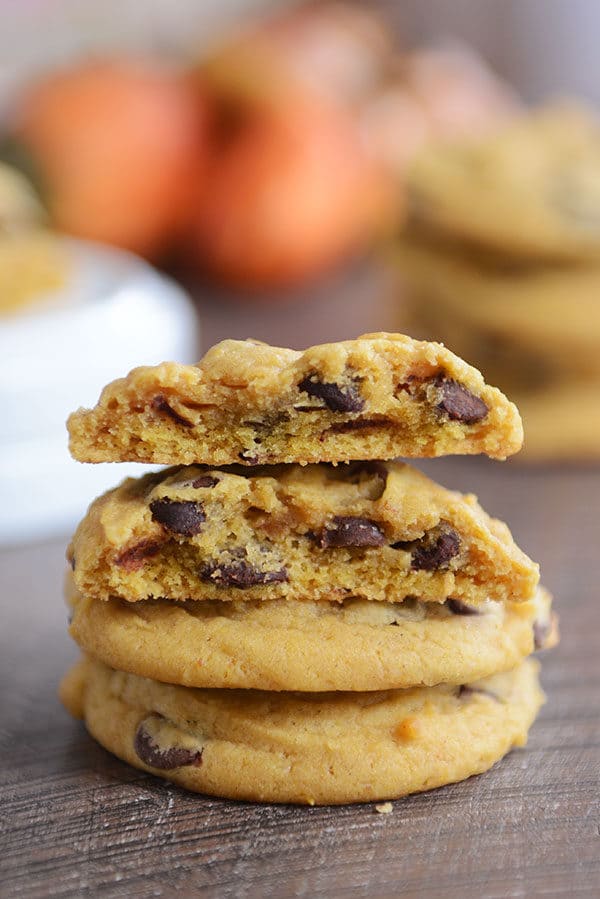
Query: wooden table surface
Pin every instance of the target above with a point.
(74, 821)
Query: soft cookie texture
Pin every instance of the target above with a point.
(377, 397)
(324, 748)
(530, 191)
(378, 531)
(312, 646)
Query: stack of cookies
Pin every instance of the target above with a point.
(283, 616)
(501, 259)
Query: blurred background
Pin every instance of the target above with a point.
(173, 173)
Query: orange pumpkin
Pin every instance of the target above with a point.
(119, 146)
(288, 195)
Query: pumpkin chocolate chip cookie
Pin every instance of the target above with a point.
(377, 397)
(379, 531)
(305, 748)
(312, 646)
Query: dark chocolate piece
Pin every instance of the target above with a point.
(161, 404)
(164, 759)
(433, 551)
(351, 531)
(133, 558)
(240, 573)
(206, 480)
(336, 398)
(458, 403)
(184, 517)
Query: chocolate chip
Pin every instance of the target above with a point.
(205, 481)
(434, 550)
(336, 398)
(541, 632)
(458, 607)
(133, 558)
(72, 563)
(240, 573)
(458, 403)
(465, 691)
(351, 531)
(357, 424)
(180, 517)
(150, 752)
(160, 404)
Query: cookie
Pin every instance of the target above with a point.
(312, 646)
(531, 190)
(325, 748)
(521, 325)
(379, 531)
(377, 397)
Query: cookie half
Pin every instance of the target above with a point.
(377, 397)
(380, 531)
(312, 646)
(327, 748)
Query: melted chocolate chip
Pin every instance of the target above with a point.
(240, 573)
(72, 563)
(465, 692)
(541, 632)
(458, 607)
(351, 531)
(336, 398)
(206, 480)
(160, 404)
(133, 558)
(180, 517)
(458, 403)
(165, 759)
(433, 551)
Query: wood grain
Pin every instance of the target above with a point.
(77, 822)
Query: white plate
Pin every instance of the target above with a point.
(117, 313)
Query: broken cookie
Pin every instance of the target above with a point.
(377, 397)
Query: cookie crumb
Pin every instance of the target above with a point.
(384, 808)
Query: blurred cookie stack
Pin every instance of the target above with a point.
(261, 622)
(501, 261)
